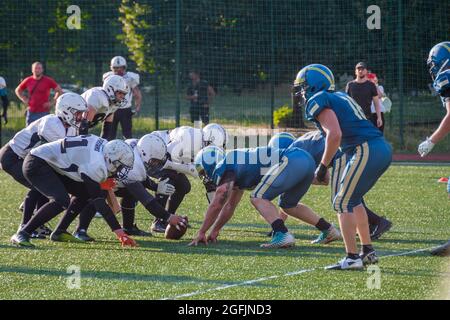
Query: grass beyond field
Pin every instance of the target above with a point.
(236, 268)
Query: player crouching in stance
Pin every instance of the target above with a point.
(285, 173)
(439, 66)
(183, 144)
(69, 109)
(76, 166)
(368, 156)
(149, 154)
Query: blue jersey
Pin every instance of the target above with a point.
(356, 129)
(313, 142)
(442, 85)
(247, 166)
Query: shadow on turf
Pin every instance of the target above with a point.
(109, 275)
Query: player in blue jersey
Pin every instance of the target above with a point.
(439, 67)
(368, 156)
(269, 173)
(314, 143)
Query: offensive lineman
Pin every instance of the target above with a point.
(68, 114)
(76, 166)
(124, 114)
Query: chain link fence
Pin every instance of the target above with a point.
(248, 51)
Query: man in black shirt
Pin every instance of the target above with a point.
(200, 93)
(364, 92)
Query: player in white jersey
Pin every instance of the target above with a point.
(149, 152)
(102, 103)
(75, 166)
(69, 109)
(183, 145)
(124, 114)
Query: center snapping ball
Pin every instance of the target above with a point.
(175, 233)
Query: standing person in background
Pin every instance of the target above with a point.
(374, 117)
(200, 94)
(5, 101)
(365, 93)
(38, 86)
(124, 114)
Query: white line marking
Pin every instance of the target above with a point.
(294, 273)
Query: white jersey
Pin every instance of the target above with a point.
(137, 173)
(132, 80)
(49, 128)
(97, 98)
(185, 143)
(73, 156)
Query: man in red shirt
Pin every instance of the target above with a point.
(38, 86)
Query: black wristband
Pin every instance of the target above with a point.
(321, 172)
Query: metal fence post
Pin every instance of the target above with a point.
(272, 65)
(177, 61)
(400, 70)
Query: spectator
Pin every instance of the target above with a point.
(5, 101)
(38, 86)
(200, 93)
(365, 93)
(374, 79)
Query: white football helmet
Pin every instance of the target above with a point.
(119, 158)
(153, 151)
(70, 107)
(215, 135)
(117, 62)
(113, 84)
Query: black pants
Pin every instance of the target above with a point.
(12, 164)
(199, 112)
(182, 188)
(373, 118)
(52, 185)
(122, 116)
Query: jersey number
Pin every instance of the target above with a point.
(65, 144)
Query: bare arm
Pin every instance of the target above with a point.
(21, 96)
(220, 198)
(137, 95)
(58, 92)
(444, 127)
(330, 125)
(227, 211)
(90, 114)
(377, 104)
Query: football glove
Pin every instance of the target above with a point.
(321, 173)
(425, 147)
(125, 239)
(165, 188)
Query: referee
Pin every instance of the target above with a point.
(124, 114)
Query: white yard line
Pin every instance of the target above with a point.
(294, 273)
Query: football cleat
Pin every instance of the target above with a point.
(44, 230)
(83, 236)
(159, 226)
(22, 239)
(98, 215)
(369, 258)
(135, 231)
(280, 240)
(384, 226)
(347, 264)
(443, 251)
(330, 235)
(36, 235)
(64, 236)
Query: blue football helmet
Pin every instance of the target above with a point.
(206, 160)
(310, 80)
(281, 140)
(439, 59)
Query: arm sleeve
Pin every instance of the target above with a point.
(347, 88)
(138, 191)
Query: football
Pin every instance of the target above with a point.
(175, 233)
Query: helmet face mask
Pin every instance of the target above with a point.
(153, 152)
(119, 158)
(299, 95)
